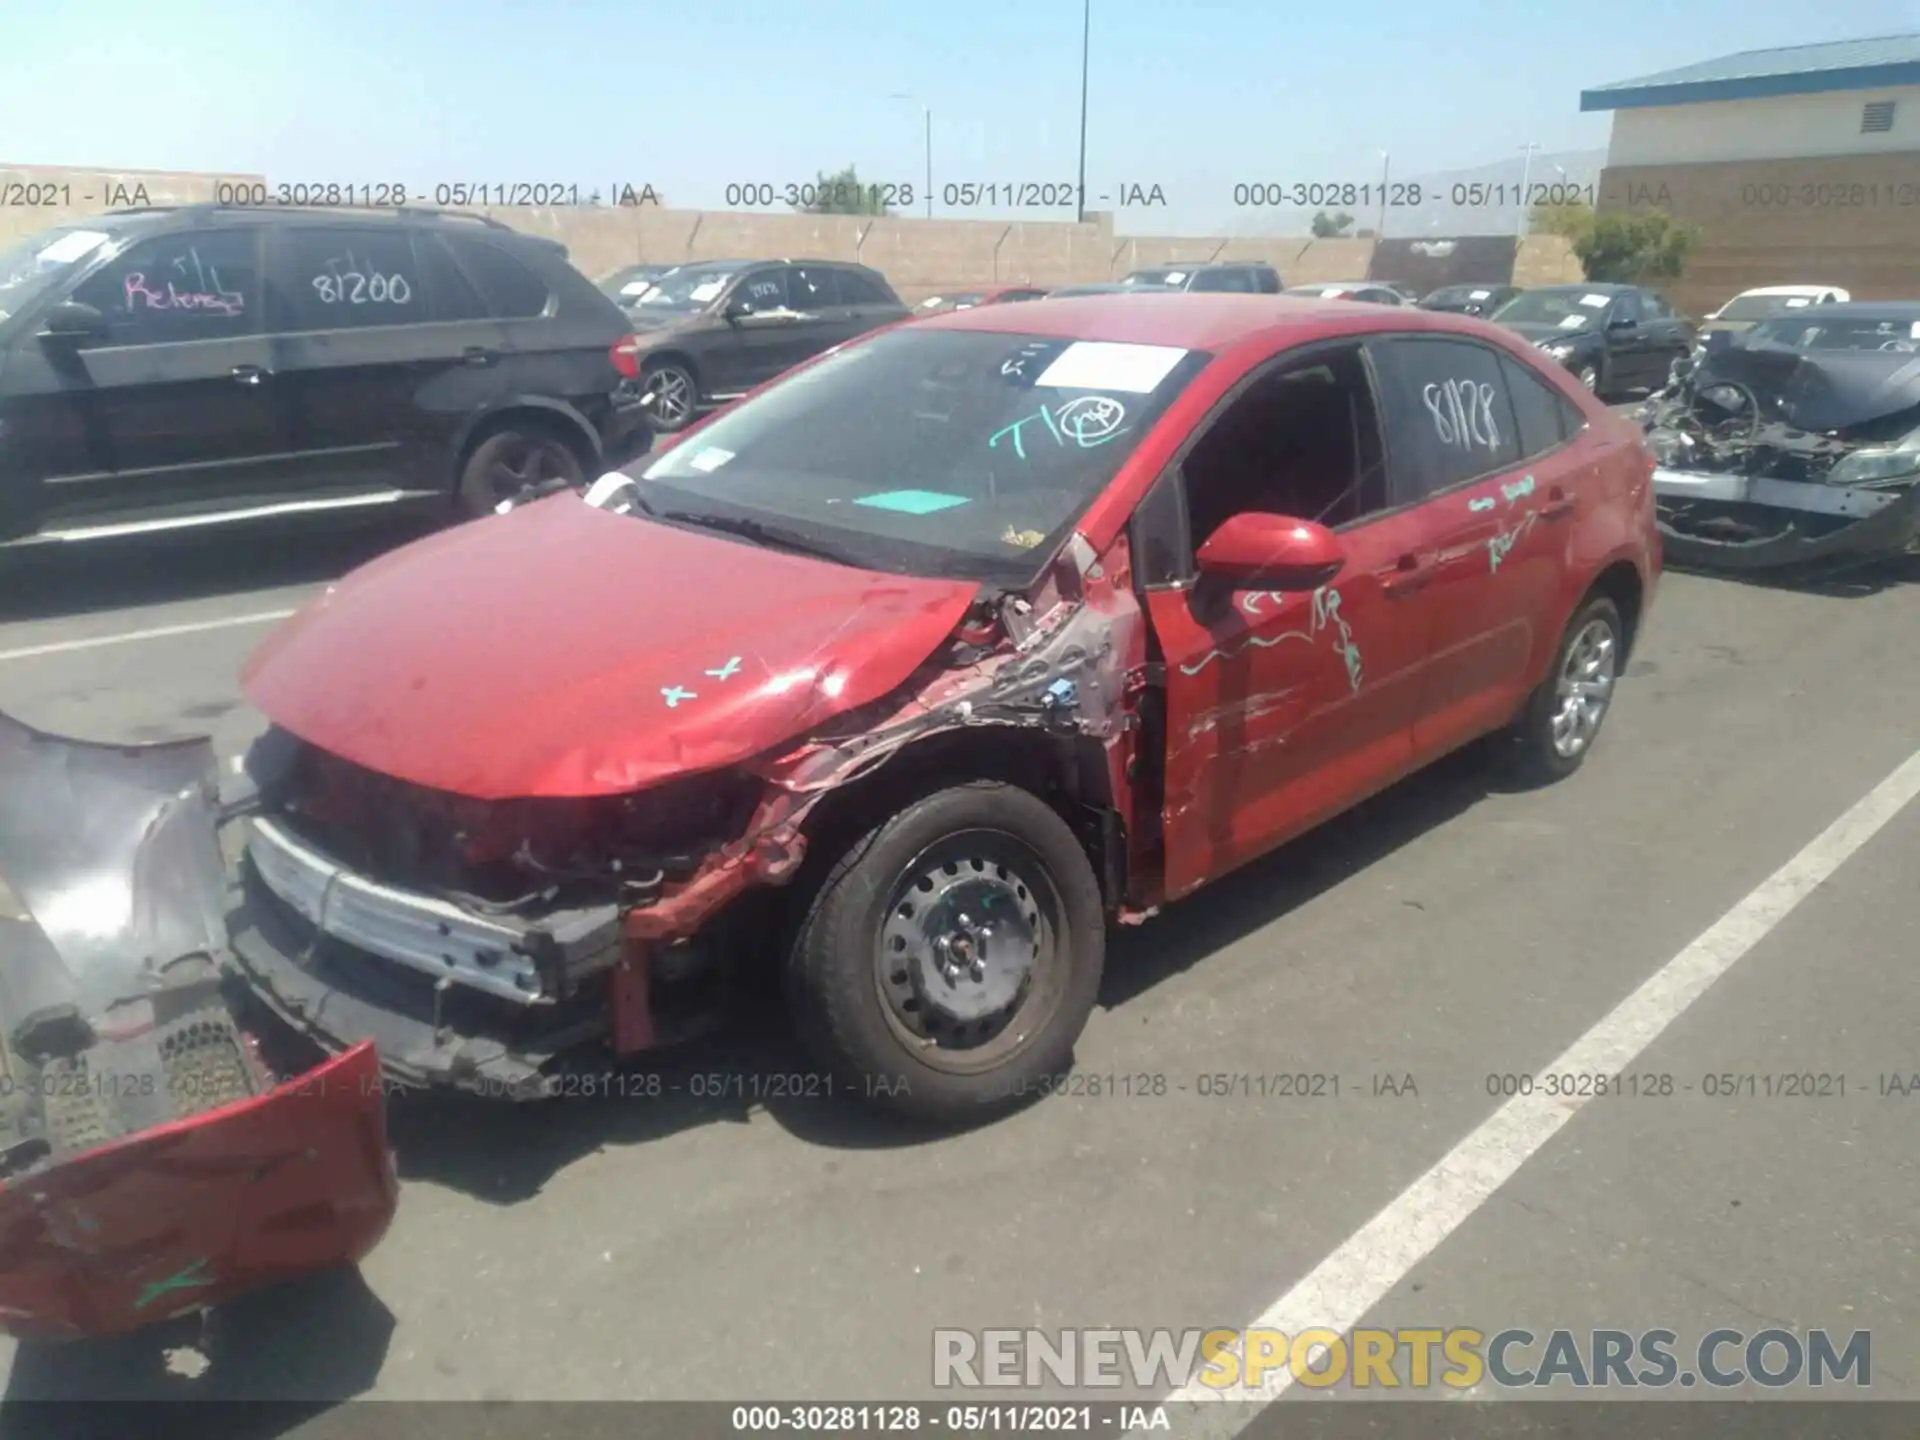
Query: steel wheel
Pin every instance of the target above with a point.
(671, 396)
(1584, 688)
(966, 959)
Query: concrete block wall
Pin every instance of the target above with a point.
(1852, 221)
(921, 257)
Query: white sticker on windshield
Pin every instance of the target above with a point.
(1110, 365)
(1573, 322)
(706, 292)
(1478, 294)
(1175, 277)
(635, 287)
(709, 459)
(1598, 302)
(1914, 333)
(70, 246)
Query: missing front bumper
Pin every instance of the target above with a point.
(154, 1162)
(1806, 524)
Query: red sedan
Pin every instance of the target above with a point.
(902, 680)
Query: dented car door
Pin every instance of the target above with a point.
(1284, 708)
(1495, 499)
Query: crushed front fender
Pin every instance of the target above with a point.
(153, 1159)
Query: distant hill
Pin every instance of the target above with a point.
(1448, 206)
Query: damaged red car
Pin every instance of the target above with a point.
(902, 680)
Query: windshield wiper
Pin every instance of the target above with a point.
(756, 531)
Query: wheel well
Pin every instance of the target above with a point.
(1066, 771)
(1620, 582)
(548, 422)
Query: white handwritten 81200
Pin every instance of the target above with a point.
(361, 287)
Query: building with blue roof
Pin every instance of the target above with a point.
(1800, 165)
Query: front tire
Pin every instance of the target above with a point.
(1588, 374)
(950, 959)
(1557, 730)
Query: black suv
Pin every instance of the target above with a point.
(173, 367)
(712, 330)
(1233, 277)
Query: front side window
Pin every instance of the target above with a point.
(761, 291)
(345, 279)
(196, 285)
(928, 452)
(1449, 419)
(1571, 309)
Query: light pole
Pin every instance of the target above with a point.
(926, 114)
(1086, 30)
(1526, 176)
(1386, 170)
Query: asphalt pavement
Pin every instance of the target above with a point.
(1449, 934)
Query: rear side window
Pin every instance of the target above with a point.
(512, 291)
(1543, 418)
(857, 287)
(1449, 418)
(198, 285)
(1267, 282)
(814, 287)
(338, 278)
(450, 294)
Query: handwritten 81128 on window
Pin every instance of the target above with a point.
(460, 194)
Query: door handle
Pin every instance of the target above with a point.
(475, 355)
(1559, 505)
(1408, 577)
(248, 374)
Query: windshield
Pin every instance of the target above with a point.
(1156, 279)
(951, 302)
(1562, 309)
(1758, 307)
(1460, 295)
(33, 266)
(1826, 332)
(633, 281)
(929, 451)
(690, 288)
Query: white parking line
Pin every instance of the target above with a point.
(159, 632)
(1345, 1286)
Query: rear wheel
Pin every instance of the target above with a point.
(1563, 717)
(672, 393)
(949, 961)
(1588, 374)
(517, 464)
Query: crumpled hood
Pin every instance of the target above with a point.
(1832, 390)
(561, 649)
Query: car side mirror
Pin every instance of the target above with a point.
(1256, 551)
(71, 320)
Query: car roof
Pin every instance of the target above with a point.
(1343, 285)
(326, 215)
(1857, 310)
(1211, 322)
(1788, 290)
(1597, 287)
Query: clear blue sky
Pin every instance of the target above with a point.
(1192, 97)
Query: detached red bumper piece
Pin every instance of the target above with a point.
(152, 1161)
